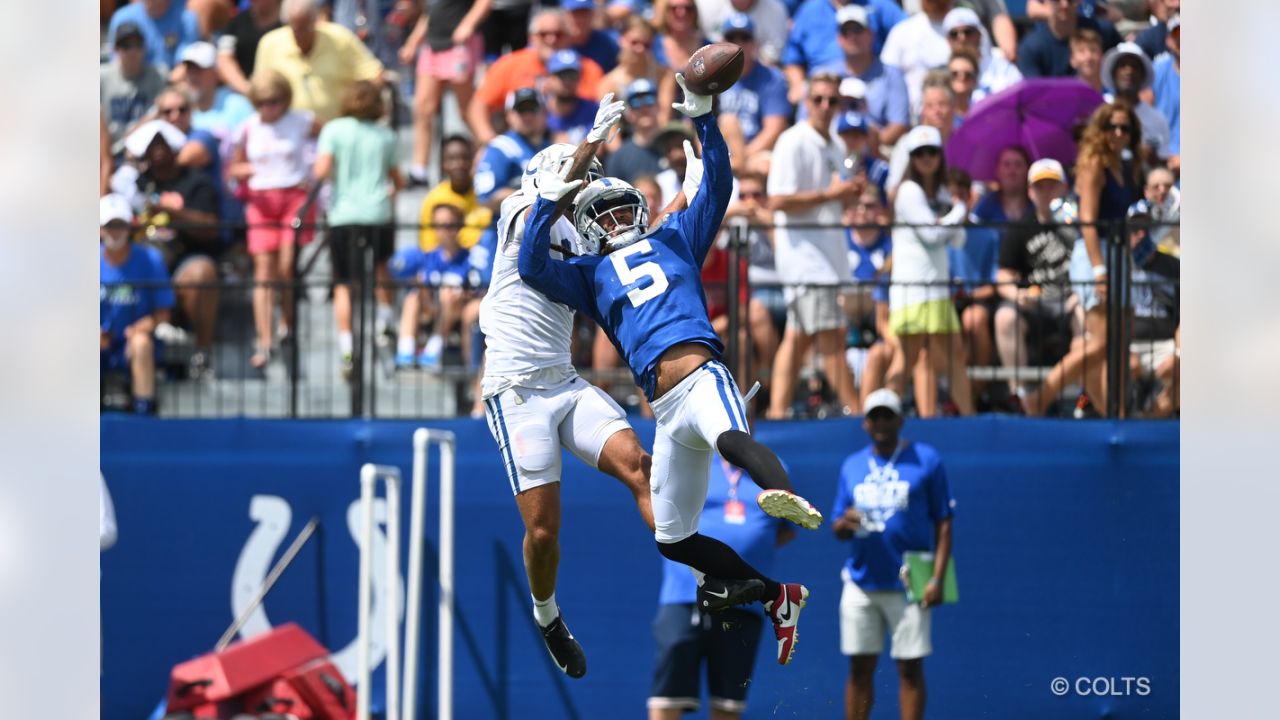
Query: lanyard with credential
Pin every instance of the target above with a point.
(880, 472)
(735, 513)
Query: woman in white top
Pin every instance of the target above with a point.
(921, 313)
(271, 164)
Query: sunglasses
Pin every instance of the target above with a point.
(1123, 128)
(962, 32)
(549, 34)
(963, 75)
(821, 100)
(738, 38)
(852, 28)
(117, 225)
(179, 110)
(751, 195)
(925, 152)
(130, 45)
(640, 44)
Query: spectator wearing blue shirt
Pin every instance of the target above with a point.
(450, 282)
(585, 38)
(892, 497)
(812, 46)
(218, 109)
(883, 89)
(869, 248)
(1046, 50)
(167, 27)
(1168, 89)
(502, 163)
(855, 130)
(759, 99)
(726, 640)
(1152, 40)
(569, 116)
(638, 155)
(134, 297)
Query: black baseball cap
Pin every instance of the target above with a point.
(128, 31)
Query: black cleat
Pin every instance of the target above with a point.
(565, 651)
(715, 595)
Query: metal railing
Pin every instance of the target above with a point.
(305, 380)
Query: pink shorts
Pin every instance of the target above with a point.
(268, 213)
(457, 64)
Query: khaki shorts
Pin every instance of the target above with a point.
(813, 309)
(866, 617)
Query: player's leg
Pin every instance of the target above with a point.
(523, 424)
(597, 432)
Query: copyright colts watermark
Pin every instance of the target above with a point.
(1085, 686)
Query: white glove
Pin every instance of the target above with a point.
(608, 118)
(692, 173)
(694, 105)
(551, 184)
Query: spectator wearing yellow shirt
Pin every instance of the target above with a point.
(320, 59)
(457, 189)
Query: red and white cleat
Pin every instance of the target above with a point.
(785, 613)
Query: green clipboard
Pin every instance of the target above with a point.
(917, 568)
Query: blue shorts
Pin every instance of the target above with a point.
(727, 641)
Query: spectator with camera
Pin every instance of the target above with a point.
(135, 297)
(128, 85)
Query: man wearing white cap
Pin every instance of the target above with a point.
(218, 108)
(882, 89)
(811, 45)
(1127, 71)
(134, 297)
(892, 497)
(1034, 275)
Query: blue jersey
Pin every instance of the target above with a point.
(502, 164)
(731, 516)
(121, 303)
(648, 295)
(441, 270)
(758, 94)
(901, 499)
(865, 262)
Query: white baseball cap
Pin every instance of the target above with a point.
(961, 17)
(202, 54)
(852, 13)
(883, 398)
(113, 207)
(1046, 169)
(1113, 56)
(139, 140)
(922, 136)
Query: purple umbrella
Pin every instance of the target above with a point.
(1038, 115)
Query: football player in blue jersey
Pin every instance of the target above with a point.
(645, 290)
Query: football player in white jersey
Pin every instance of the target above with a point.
(535, 402)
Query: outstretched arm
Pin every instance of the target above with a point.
(556, 279)
(701, 221)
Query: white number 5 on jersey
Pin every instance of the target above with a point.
(631, 275)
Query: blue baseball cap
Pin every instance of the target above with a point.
(564, 60)
(738, 22)
(851, 121)
(571, 5)
(641, 93)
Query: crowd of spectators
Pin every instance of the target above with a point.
(873, 261)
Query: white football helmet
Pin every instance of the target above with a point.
(605, 199)
(560, 155)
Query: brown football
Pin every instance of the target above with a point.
(714, 68)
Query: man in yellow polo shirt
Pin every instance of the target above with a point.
(320, 59)
(457, 189)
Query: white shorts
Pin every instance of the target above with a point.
(691, 416)
(865, 618)
(530, 426)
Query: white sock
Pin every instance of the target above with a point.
(418, 171)
(406, 345)
(698, 575)
(344, 343)
(385, 315)
(545, 611)
(435, 344)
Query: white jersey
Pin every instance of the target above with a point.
(526, 335)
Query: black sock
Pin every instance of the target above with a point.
(759, 461)
(714, 558)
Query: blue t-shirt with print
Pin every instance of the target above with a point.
(812, 42)
(164, 37)
(901, 503)
(865, 262)
(758, 94)
(752, 534)
(1168, 91)
(439, 269)
(121, 303)
(502, 164)
(577, 123)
